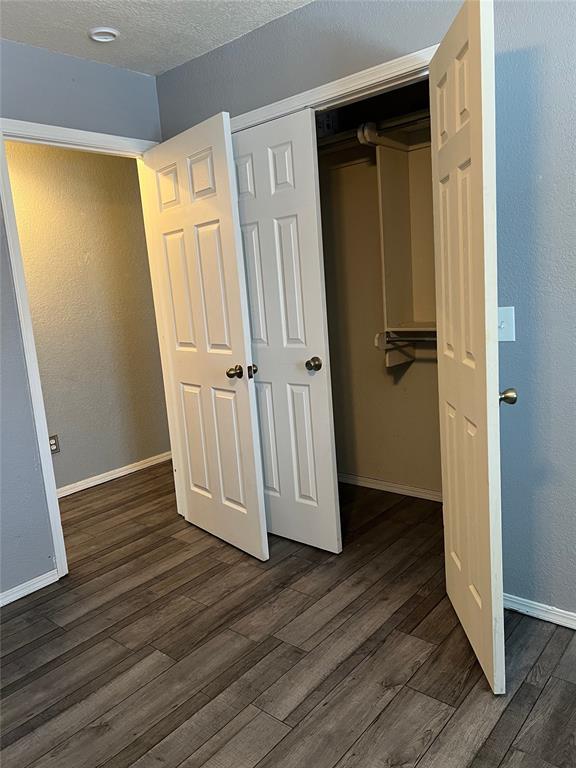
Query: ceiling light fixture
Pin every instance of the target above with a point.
(103, 34)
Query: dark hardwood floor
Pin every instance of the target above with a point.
(166, 647)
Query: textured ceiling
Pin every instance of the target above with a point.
(155, 35)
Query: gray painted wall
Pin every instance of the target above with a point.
(535, 83)
(536, 146)
(26, 548)
(56, 89)
(313, 45)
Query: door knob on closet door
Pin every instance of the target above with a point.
(509, 396)
(314, 364)
(236, 372)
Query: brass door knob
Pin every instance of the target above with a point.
(509, 396)
(314, 364)
(235, 373)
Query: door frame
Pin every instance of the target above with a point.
(55, 136)
(389, 75)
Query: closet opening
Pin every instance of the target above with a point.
(378, 240)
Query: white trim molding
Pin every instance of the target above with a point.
(541, 611)
(28, 587)
(90, 482)
(382, 485)
(369, 82)
(88, 141)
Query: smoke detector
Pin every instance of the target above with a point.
(103, 34)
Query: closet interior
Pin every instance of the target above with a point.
(378, 234)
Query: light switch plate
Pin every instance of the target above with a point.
(506, 324)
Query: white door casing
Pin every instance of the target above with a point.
(278, 193)
(464, 181)
(194, 244)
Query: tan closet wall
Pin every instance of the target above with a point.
(422, 233)
(386, 420)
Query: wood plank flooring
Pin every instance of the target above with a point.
(166, 647)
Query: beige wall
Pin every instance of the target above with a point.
(82, 236)
(422, 233)
(386, 420)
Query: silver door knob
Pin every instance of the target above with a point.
(314, 364)
(509, 396)
(236, 372)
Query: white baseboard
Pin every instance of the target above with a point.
(89, 482)
(541, 611)
(29, 586)
(382, 485)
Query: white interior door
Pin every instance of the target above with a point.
(191, 215)
(277, 169)
(464, 180)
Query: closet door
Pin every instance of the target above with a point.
(277, 170)
(464, 182)
(191, 215)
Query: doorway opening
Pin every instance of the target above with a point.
(85, 261)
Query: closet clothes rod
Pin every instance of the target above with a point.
(368, 133)
(409, 339)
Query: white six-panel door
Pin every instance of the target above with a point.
(278, 195)
(190, 210)
(464, 181)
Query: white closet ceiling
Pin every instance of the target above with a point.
(155, 35)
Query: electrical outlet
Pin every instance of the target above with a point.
(54, 444)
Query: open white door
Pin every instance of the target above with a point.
(194, 245)
(464, 180)
(277, 168)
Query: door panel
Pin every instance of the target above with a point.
(194, 244)
(179, 283)
(196, 439)
(464, 182)
(268, 437)
(289, 273)
(303, 454)
(276, 166)
(253, 261)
